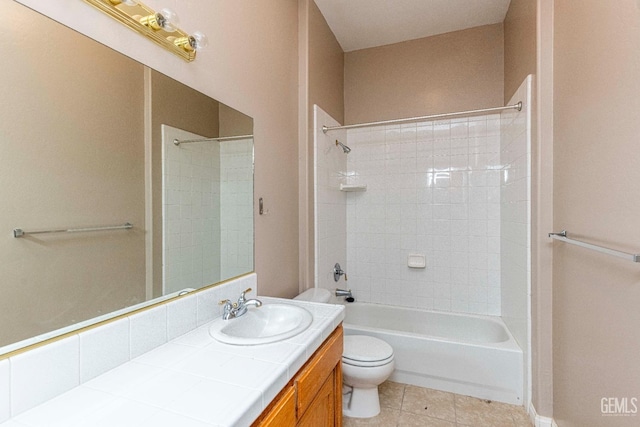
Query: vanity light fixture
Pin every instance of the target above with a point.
(161, 27)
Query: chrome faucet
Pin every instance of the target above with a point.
(237, 309)
(344, 293)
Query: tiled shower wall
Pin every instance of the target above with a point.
(191, 213)
(236, 213)
(516, 216)
(433, 189)
(207, 210)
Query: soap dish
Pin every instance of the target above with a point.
(353, 187)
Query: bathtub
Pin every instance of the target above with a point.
(465, 354)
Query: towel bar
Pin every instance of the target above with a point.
(563, 237)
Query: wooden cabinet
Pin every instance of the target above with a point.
(313, 398)
(322, 410)
(283, 413)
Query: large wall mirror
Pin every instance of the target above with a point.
(87, 141)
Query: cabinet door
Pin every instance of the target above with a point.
(320, 367)
(283, 413)
(321, 412)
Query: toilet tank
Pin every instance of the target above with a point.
(314, 295)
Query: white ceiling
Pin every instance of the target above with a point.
(359, 24)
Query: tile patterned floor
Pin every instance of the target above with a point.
(407, 405)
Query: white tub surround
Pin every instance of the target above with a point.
(444, 224)
(466, 354)
(515, 216)
(187, 379)
(433, 190)
(330, 207)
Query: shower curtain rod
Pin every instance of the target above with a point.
(517, 106)
(221, 138)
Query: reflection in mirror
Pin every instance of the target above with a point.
(81, 142)
(210, 179)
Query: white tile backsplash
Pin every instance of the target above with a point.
(182, 316)
(148, 330)
(43, 373)
(33, 377)
(208, 305)
(102, 349)
(131, 392)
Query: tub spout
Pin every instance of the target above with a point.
(346, 294)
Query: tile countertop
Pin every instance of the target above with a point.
(192, 381)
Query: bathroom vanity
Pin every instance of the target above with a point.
(314, 396)
(175, 373)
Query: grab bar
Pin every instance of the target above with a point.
(19, 232)
(562, 236)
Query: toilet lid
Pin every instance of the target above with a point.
(363, 348)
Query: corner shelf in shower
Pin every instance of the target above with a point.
(353, 187)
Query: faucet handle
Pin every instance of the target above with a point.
(228, 308)
(228, 305)
(242, 298)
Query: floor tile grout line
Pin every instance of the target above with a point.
(455, 409)
(456, 400)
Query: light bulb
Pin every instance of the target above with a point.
(168, 20)
(195, 42)
(198, 41)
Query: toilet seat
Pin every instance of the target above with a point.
(366, 351)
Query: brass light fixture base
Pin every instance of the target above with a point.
(142, 19)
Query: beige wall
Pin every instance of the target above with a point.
(528, 28)
(542, 215)
(72, 156)
(519, 44)
(233, 122)
(322, 69)
(596, 198)
(457, 71)
(326, 66)
(177, 105)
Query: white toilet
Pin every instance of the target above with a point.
(367, 362)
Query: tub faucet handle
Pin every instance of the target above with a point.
(338, 271)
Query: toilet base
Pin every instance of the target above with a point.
(361, 403)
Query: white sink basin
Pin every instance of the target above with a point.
(262, 325)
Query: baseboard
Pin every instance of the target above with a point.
(539, 420)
